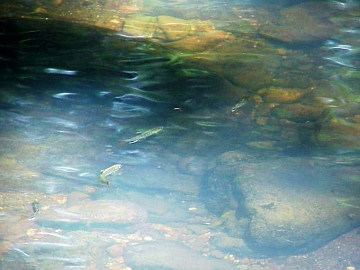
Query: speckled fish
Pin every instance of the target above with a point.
(145, 134)
(108, 171)
(240, 104)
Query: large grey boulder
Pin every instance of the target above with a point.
(292, 205)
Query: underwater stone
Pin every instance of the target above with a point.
(290, 207)
(299, 112)
(172, 256)
(339, 133)
(283, 95)
(200, 42)
(298, 24)
(250, 75)
(164, 28)
(289, 203)
(95, 212)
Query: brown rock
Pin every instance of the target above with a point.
(282, 95)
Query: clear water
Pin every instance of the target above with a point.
(233, 180)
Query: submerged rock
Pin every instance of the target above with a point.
(339, 133)
(85, 211)
(289, 203)
(228, 243)
(283, 95)
(156, 180)
(174, 33)
(264, 145)
(289, 208)
(252, 75)
(170, 256)
(298, 24)
(200, 42)
(299, 112)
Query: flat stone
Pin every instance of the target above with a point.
(95, 211)
(170, 256)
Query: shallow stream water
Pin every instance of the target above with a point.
(240, 154)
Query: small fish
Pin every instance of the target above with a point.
(108, 171)
(131, 37)
(240, 104)
(65, 169)
(59, 71)
(145, 134)
(210, 124)
(35, 208)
